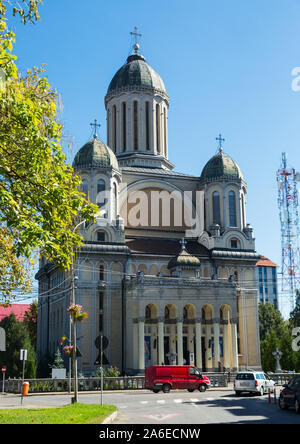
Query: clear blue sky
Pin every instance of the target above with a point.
(226, 66)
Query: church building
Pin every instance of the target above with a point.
(168, 271)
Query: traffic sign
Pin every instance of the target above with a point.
(23, 355)
(3, 368)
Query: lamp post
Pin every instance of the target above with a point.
(74, 341)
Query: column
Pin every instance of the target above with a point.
(235, 363)
(179, 342)
(160, 334)
(141, 342)
(198, 344)
(226, 357)
(216, 343)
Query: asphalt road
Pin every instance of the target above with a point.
(176, 407)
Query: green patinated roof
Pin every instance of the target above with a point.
(221, 166)
(95, 154)
(136, 72)
(184, 259)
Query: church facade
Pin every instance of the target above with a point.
(168, 271)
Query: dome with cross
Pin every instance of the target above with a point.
(95, 154)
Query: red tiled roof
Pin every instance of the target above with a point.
(264, 261)
(17, 309)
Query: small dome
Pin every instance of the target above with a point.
(221, 167)
(136, 74)
(184, 259)
(95, 154)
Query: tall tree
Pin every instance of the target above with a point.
(30, 321)
(17, 338)
(39, 193)
(295, 314)
(270, 319)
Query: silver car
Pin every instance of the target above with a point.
(253, 382)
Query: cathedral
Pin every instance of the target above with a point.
(168, 271)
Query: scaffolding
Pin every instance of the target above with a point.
(288, 204)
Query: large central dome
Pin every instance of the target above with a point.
(136, 74)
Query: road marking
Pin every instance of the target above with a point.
(144, 402)
(161, 401)
(194, 399)
(159, 418)
(178, 401)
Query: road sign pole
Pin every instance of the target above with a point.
(3, 382)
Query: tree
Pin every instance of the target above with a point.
(270, 319)
(39, 193)
(58, 360)
(295, 314)
(17, 338)
(30, 321)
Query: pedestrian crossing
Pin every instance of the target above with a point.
(192, 401)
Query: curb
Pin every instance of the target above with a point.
(110, 418)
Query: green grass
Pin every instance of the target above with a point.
(69, 414)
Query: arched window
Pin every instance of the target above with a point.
(185, 314)
(100, 236)
(124, 125)
(135, 126)
(85, 188)
(157, 128)
(243, 211)
(100, 188)
(114, 201)
(148, 313)
(147, 121)
(114, 128)
(216, 208)
(101, 272)
(232, 209)
(167, 313)
(165, 132)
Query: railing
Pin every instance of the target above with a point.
(282, 378)
(94, 384)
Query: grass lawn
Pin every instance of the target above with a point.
(69, 414)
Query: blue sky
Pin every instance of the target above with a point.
(226, 66)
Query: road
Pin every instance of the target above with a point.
(177, 407)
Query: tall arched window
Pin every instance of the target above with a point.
(147, 121)
(216, 208)
(85, 188)
(232, 209)
(135, 126)
(100, 188)
(114, 128)
(124, 125)
(165, 132)
(114, 201)
(243, 211)
(157, 128)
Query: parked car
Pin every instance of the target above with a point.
(167, 377)
(290, 395)
(253, 382)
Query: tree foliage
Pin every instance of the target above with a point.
(30, 321)
(17, 338)
(39, 193)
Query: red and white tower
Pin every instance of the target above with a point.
(288, 204)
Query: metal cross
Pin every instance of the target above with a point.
(183, 243)
(220, 140)
(95, 124)
(136, 35)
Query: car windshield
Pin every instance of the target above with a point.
(245, 376)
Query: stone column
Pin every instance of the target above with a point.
(141, 342)
(235, 362)
(160, 337)
(179, 342)
(226, 356)
(198, 344)
(216, 343)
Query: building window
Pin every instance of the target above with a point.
(135, 126)
(157, 128)
(232, 209)
(148, 313)
(114, 128)
(167, 313)
(234, 243)
(124, 124)
(147, 120)
(100, 236)
(216, 208)
(101, 272)
(85, 188)
(165, 132)
(100, 189)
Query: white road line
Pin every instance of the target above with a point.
(161, 401)
(144, 402)
(178, 401)
(194, 399)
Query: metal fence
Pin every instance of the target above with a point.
(46, 385)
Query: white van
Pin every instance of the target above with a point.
(253, 382)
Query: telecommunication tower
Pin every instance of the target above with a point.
(288, 204)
